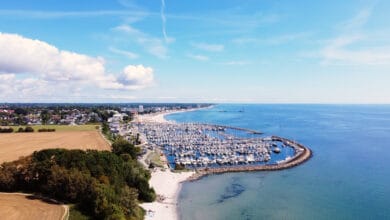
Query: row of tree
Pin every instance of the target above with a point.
(102, 184)
(10, 130)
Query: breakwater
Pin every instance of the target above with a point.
(249, 131)
(303, 153)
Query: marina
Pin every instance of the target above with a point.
(216, 148)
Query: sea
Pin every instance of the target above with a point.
(348, 176)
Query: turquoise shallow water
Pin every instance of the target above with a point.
(347, 178)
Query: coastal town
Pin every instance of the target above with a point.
(80, 114)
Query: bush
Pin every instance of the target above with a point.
(46, 130)
(26, 129)
(179, 166)
(29, 129)
(6, 130)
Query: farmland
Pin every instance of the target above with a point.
(15, 145)
(16, 206)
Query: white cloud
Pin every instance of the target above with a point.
(152, 45)
(355, 46)
(209, 47)
(125, 53)
(236, 63)
(229, 20)
(11, 86)
(7, 84)
(360, 19)
(198, 57)
(24, 55)
(34, 67)
(136, 77)
(273, 40)
(128, 29)
(6, 77)
(338, 51)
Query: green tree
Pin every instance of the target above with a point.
(21, 111)
(45, 116)
(122, 146)
(7, 177)
(29, 129)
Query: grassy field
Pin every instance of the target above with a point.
(14, 206)
(15, 145)
(89, 127)
(155, 158)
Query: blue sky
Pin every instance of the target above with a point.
(274, 51)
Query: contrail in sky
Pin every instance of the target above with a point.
(164, 20)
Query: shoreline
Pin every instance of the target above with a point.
(159, 117)
(168, 184)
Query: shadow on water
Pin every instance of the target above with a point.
(245, 215)
(231, 191)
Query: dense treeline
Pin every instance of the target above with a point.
(103, 184)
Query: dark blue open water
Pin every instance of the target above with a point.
(347, 178)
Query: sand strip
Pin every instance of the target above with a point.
(167, 185)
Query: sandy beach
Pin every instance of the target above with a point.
(155, 117)
(166, 183)
(159, 117)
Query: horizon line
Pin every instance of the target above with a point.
(211, 103)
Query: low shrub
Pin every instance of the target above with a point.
(6, 130)
(46, 130)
